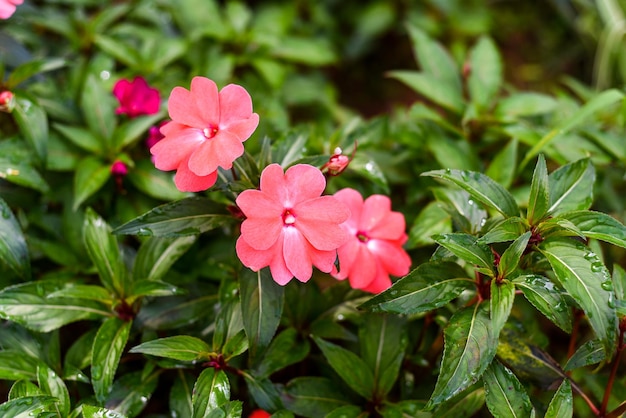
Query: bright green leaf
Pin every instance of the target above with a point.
(13, 248)
(24, 388)
(591, 352)
(505, 230)
(441, 92)
(467, 248)
(53, 385)
(179, 347)
(80, 137)
(91, 174)
(539, 199)
(32, 68)
(155, 183)
(108, 347)
(512, 255)
(27, 407)
(16, 365)
(90, 411)
(562, 403)
(547, 298)
(571, 187)
(433, 58)
(501, 302)
(522, 104)
(598, 225)
(485, 77)
(505, 395)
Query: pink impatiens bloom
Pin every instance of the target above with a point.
(375, 249)
(136, 98)
(7, 7)
(207, 131)
(290, 227)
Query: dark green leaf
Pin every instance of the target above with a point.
(179, 347)
(504, 164)
(464, 405)
(152, 288)
(539, 199)
(501, 302)
(90, 411)
(433, 58)
(562, 403)
(156, 256)
(104, 252)
(383, 342)
(431, 220)
(131, 393)
(80, 137)
(235, 345)
(284, 350)
(108, 347)
(91, 174)
(526, 104)
(54, 386)
(29, 305)
(261, 306)
(15, 365)
(83, 291)
(175, 312)
(444, 93)
(155, 183)
(428, 287)
(481, 188)
(587, 280)
(32, 68)
(264, 393)
(571, 187)
(591, 352)
(347, 411)
(619, 282)
(228, 323)
(30, 406)
(22, 174)
(469, 347)
(98, 105)
(190, 216)
(505, 395)
(181, 394)
(351, 368)
(405, 409)
(24, 388)
(313, 396)
(33, 123)
(547, 298)
(78, 356)
(467, 248)
(485, 77)
(512, 255)
(13, 248)
(598, 225)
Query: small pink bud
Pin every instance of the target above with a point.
(119, 169)
(337, 163)
(7, 101)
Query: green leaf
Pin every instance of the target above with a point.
(181, 394)
(503, 164)
(32, 68)
(619, 282)
(571, 187)
(407, 409)
(433, 58)
(505, 230)
(13, 248)
(228, 323)
(522, 104)
(83, 291)
(501, 302)
(98, 105)
(428, 287)
(24, 388)
(54, 386)
(351, 368)
(464, 405)
(261, 307)
(467, 247)
(22, 174)
(538, 201)
(443, 93)
(511, 257)
(235, 345)
(90, 411)
(16, 365)
(602, 100)
(190, 216)
(28, 304)
(175, 312)
(108, 347)
(485, 77)
(179, 347)
(562, 403)
(131, 392)
(152, 288)
(264, 393)
(547, 298)
(78, 356)
(120, 50)
(91, 174)
(211, 391)
(383, 342)
(156, 256)
(284, 350)
(132, 130)
(33, 123)
(81, 137)
(505, 395)
(155, 183)
(346, 411)
(588, 281)
(313, 396)
(598, 225)
(481, 188)
(104, 252)
(469, 347)
(27, 407)
(591, 352)
(431, 220)
(305, 50)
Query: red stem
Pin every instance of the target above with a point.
(616, 360)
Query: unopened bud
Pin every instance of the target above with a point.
(7, 101)
(119, 169)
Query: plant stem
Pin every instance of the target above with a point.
(615, 366)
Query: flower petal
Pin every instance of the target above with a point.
(273, 183)
(324, 236)
(235, 104)
(219, 151)
(323, 260)
(278, 268)
(354, 201)
(243, 128)
(252, 258)
(323, 209)
(170, 151)
(347, 255)
(375, 208)
(206, 97)
(391, 255)
(392, 227)
(296, 255)
(380, 283)
(187, 181)
(303, 182)
(363, 269)
(261, 233)
(258, 204)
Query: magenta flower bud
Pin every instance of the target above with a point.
(119, 169)
(7, 101)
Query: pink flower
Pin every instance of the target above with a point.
(337, 162)
(7, 7)
(375, 250)
(207, 131)
(136, 98)
(155, 135)
(290, 227)
(259, 413)
(7, 101)
(119, 169)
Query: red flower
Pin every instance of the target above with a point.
(259, 413)
(290, 227)
(7, 7)
(375, 249)
(136, 98)
(207, 131)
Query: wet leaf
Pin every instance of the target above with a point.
(131, 393)
(598, 225)
(591, 352)
(178, 347)
(539, 200)
(313, 396)
(505, 395)
(571, 187)
(51, 384)
(90, 411)
(27, 407)
(108, 347)
(562, 403)
(547, 298)
(13, 249)
(467, 248)
(501, 302)
(512, 255)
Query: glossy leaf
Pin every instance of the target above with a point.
(505, 395)
(512, 255)
(466, 215)
(27, 407)
(54, 386)
(547, 298)
(261, 306)
(350, 367)
(571, 187)
(619, 282)
(91, 174)
(591, 352)
(108, 347)
(131, 393)
(264, 392)
(15, 365)
(228, 324)
(313, 396)
(24, 388)
(152, 288)
(181, 394)
(83, 291)
(429, 286)
(481, 188)
(598, 225)
(156, 256)
(539, 199)
(588, 281)
(464, 405)
(33, 123)
(469, 347)
(190, 216)
(562, 403)
(175, 312)
(90, 411)
(485, 77)
(501, 302)
(178, 347)
(286, 349)
(467, 248)
(506, 230)
(104, 252)
(346, 411)
(235, 345)
(155, 183)
(13, 248)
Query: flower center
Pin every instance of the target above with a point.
(288, 218)
(362, 236)
(210, 132)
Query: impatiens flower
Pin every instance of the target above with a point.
(375, 248)
(155, 135)
(136, 98)
(337, 163)
(207, 131)
(290, 227)
(7, 7)
(7, 101)
(259, 413)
